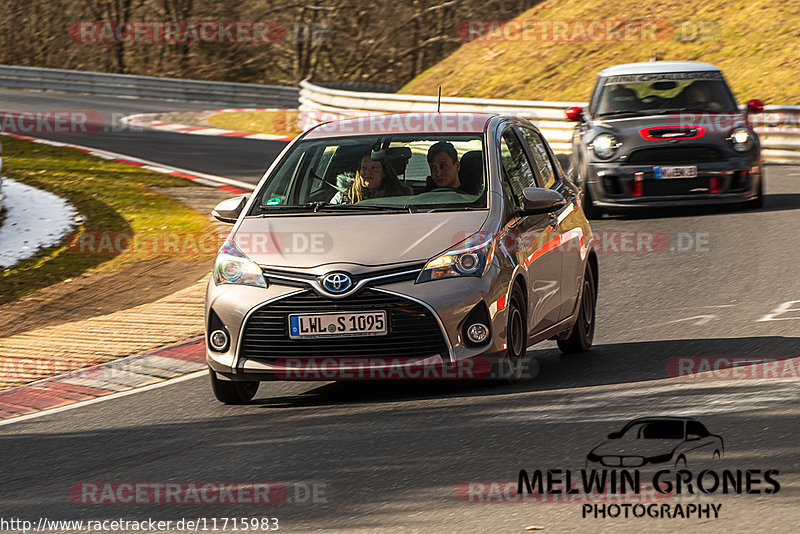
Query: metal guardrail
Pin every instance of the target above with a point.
(98, 83)
(780, 144)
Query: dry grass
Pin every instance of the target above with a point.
(754, 42)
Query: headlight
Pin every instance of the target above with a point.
(471, 257)
(233, 267)
(741, 139)
(604, 145)
(660, 459)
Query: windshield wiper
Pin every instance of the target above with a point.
(319, 205)
(367, 207)
(452, 208)
(630, 112)
(690, 110)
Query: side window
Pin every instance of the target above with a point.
(696, 428)
(541, 159)
(516, 167)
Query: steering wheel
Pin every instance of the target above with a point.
(652, 99)
(444, 189)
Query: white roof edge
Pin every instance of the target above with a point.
(652, 67)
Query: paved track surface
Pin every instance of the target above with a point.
(241, 159)
(390, 457)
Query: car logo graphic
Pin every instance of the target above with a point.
(337, 282)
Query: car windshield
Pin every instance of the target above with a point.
(349, 175)
(649, 94)
(656, 430)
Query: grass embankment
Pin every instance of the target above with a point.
(280, 122)
(119, 207)
(754, 42)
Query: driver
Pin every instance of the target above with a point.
(444, 164)
(697, 95)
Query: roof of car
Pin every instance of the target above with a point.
(657, 67)
(403, 123)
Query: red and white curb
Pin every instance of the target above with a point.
(153, 121)
(117, 378)
(226, 184)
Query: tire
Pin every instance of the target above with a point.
(230, 392)
(582, 334)
(591, 211)
(758, 202)
(509, 369)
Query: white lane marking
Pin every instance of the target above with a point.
(700, 320)
(784, 307)
(81, 404)
(646, 401)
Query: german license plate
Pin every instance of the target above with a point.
(307, 325)
(688, 171)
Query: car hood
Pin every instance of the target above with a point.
(636, 447)
(309, 241)
(713, 126)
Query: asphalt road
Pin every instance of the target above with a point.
(240, 159)
(391, 457)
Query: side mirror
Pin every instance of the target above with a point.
(614, 435)
(536, 200)
(229, 210)
(574, 113)
(755, 105)
(692, 437)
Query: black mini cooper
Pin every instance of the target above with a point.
(661, 134)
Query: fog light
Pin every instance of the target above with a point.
(477, 332)
(218, 340)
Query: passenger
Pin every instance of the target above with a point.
(444, 164)
(373, 179)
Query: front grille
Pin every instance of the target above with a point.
(412, 329)
(667, 155)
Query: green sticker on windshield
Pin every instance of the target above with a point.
(273, 201)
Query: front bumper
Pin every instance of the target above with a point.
(614, 185)
(256, 320)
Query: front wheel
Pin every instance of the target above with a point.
(591, 211)
(231, 392)
(509, 369)
(758, 202)
(582, 335)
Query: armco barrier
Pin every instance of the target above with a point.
(98, 83)
(779, 144)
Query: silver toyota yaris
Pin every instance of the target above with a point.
(418, 246)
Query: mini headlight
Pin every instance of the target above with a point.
(232, 266)
(741, 139)
(604, 145)
(471, 257)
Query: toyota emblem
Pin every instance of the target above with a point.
(337, 282)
